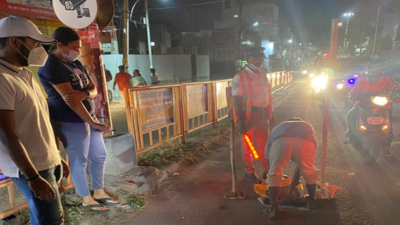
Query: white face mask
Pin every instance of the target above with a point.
(72, 56)
(37, 56)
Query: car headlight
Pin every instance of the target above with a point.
(311, 75)
(305, 72)
(339, 86)
(379, 100)
(319, 82)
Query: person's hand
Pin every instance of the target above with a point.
(242, 128)
(65, 167)
(76, 95)
(100, 127)
(42, 189)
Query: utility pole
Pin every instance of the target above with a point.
(345, 35)
(146, 5)
(376, 30)
(240, 37)
(125, 24)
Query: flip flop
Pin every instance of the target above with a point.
(92, 207)
(267, 214)
(104, 201)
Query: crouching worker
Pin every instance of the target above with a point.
(293, 140)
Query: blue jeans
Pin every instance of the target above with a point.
(82, 144)
(43, 212)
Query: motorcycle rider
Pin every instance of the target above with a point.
(374, 82)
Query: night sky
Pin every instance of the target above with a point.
(310, 19)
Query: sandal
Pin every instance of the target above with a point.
(106, 201)
(93, 206)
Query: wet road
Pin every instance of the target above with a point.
(369, 195)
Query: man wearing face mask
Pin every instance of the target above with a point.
(375, 82)
(28, 151)
(252, 96)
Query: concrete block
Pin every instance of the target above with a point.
(121, 154)
(163, 175)
(129, 187)
(172, 168)
(142, 190)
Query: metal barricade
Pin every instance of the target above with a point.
(220, 101)
(155, 115)
(160, 114)
(198, 105)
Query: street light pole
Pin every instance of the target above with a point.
(125, 22)
(348, 15)
(345, 35)
(376, 31)
(146, 5)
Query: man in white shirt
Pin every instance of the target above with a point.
(28, 151)
(154, 77)
(252, 97)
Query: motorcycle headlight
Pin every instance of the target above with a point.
(319, 82)
(339, 86)
(311, 75)
(380, 101)
(305, 72)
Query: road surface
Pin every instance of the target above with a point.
(369, 195)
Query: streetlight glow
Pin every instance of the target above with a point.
(290, 41)
(348, 14)
(340, 24)
(256, 24)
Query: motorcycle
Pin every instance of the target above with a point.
(373, 126)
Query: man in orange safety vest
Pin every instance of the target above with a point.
(252, 97)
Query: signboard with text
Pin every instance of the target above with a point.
(33, 8)
(221, 95)
(197, 101)
(156, 108)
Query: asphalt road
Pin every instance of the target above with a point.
(369, 195)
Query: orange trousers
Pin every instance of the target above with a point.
(258, 132)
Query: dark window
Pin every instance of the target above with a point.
(227, 4)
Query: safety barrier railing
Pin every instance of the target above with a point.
(154, 115)
(160, 114)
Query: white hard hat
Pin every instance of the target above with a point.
(14, 26)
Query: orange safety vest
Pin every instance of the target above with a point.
(246, 86)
